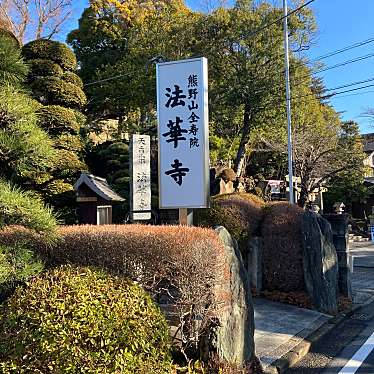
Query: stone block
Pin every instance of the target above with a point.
(254, 263)
(320, 263)
(233, 337)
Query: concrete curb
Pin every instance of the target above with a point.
(282, 364)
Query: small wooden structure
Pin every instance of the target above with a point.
(95, 200)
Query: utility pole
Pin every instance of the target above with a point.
(288, 101)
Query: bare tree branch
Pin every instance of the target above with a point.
(34, 19)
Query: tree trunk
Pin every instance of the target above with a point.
(303, 198)
(240, 156)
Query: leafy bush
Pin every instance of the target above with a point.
(17, 264)
(69, 142)
(240, 213)
(56, 119)
(52, 90)
(72, 78)
(283, 249)
(82, 320)
(24, 209)
(177, 265)
(50, 50)
(44, 68)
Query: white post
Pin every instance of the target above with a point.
(288, 100)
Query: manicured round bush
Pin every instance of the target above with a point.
(52, 90)
(283, 248)
(240, 213)
(44, 68)
(70, 77)
(56, 120)
(81, 320)
(51, 50)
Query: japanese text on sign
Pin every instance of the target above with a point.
(140, 178)
(182, 106)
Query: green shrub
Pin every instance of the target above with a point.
(177, 265)
(24, 209)
(69, 142)
(17, 264)
(72, 78)
(52, 90)
(50, 50)
(239, 213)
(44, 68)
(283, 248)
(81, 320)
(56, 119)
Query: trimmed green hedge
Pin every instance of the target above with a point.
(51, 50)
(52, 90)
(240, 213)
(56, 120)
(81, 320)
(44, 68)
(70, 77)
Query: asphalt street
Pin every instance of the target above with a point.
(349, 348)
(343, 350)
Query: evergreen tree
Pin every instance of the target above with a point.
(58, 89)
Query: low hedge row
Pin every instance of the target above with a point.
(176, 265)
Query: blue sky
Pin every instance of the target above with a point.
(340, 23)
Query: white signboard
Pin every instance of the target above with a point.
(183, 140)
(140, 172)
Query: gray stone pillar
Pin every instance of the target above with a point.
(255, 250)
(339, 225)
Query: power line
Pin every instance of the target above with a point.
(355, 94)
(344, 49)
(280, 19)
(361, 58)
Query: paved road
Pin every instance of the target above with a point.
(336, 349)
(348, 349)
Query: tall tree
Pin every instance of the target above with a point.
(26, 153)
(116, 44)
(58, 89)
(34, 19)
(348, 184)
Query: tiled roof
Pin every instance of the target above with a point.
(99, 186)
